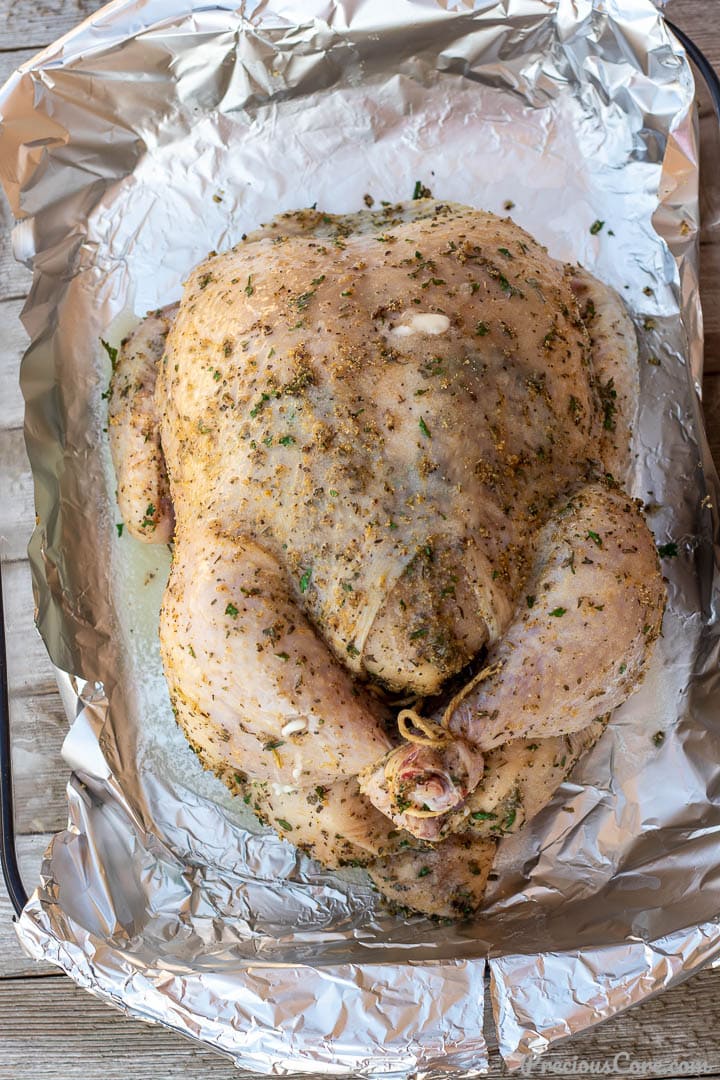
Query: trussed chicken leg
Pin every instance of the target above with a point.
(250, 679)
(576, 648)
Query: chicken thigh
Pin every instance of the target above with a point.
(391, 446)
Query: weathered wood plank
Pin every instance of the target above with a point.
(40, 23)
(14, 278)
(29, 667)
(39, 725)
(13, 961)
(59, 1031)
(11, 60)
(699, 22)
(13, 342)
(710, 298)
(17, 510)
(711, 409)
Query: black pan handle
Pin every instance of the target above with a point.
(8, 855)
(701, 62)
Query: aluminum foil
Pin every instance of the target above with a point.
(161, 129)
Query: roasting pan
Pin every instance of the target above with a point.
(8, 856)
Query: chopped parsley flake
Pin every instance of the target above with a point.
(260, 404)
(423, 871)
(231, 610)
(481, 329)
(286, 440)
(595, 537)
(608, 395)
(558, 612)
(111, 351)
(530, 601)
(284, 824)
(483, 815)
(249, 288)
(668, 551)
(274, 744)
(424, 428)
(420, 191)
(301, 302)
(148, 522)
(120, 528)
(596, 227)
(305, 580)
(422, 632)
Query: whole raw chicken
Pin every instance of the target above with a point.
(391, 449)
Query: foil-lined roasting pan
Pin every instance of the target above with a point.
(159, 130)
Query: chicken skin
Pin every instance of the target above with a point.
(391, 450)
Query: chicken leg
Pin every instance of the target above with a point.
(577, 647)
(249, 678)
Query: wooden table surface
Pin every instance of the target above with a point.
(48, 1027)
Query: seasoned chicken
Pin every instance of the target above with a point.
(391, 450)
